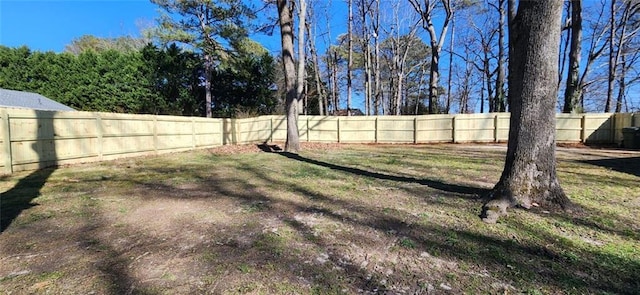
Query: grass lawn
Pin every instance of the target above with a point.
(335, 219)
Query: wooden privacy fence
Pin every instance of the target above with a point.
(35, 139)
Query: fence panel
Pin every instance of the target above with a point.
(569, 127)
(474, 127)
(396, 129)
(502, 126)
(358, 129)
(34, 139)
(279, 127)
(434, 128)
(253, 130)
(322, 128)
(598, 128)
(173, 133)
(5, 143)
(207, 133)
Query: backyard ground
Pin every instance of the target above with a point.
(335, 219)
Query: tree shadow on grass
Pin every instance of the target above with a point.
(21, 196)
(467, 191)
(539, 259)
(624, 165)
(534, 257)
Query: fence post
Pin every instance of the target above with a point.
(100, 135)
(193, 133)
(583, 128)
(496, 126)
(308, 135)
(453, 130)
(415, 129)
(155, 134)
(4, 125)
(613, 128)
(221, 130)
(338, 126)
(270, 138)
(376, 130)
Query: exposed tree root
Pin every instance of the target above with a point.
(500, 199)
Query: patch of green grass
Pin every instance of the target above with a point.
(256, 206)
(247, 288)
(272, 243)
(209, 256)
(310, 171)
(407, 243)
(50, 276)
(168, 276)
(245, 268)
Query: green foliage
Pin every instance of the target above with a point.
(153, 80)
(174, 75)
(97, 44)
(108, 81)
(206, 25)
(243, 86)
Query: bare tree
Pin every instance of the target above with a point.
(300, 93)
(597, 45)
(396, 49)
(311, 39)
(426, 9)
(619, 34)
(499, 102)
(480, 43)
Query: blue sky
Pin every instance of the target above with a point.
(49, 25)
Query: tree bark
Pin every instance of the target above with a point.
(300, 89)
(350, 56)
(285, 18)
(622, 85)
(376, 41)
(529, 176)
(613, 58)
(573, 92)
(207, 85)
(316, 70)
(500, 79)
(451, 41)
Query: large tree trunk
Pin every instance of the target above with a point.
(285, 18)
(572, 92)
(529, 176)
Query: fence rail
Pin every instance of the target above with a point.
(34, 139)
